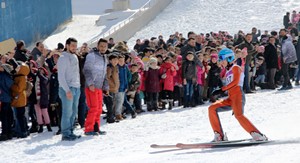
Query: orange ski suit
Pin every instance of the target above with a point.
(234, 102)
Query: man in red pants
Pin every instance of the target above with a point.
(96, 85)
(235, 101)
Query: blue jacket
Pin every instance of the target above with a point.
(124, 77)
(5, 84)
(95, 70)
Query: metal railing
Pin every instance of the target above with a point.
(112, 30)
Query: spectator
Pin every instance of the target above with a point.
(37, 50)
(288, 56)
(69, 89)
(20, 53)
(286, 20)
(96, 86)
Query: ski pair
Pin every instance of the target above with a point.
(222, 144)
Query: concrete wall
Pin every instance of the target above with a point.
(31, 20)
(136, 24)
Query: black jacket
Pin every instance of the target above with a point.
(271, 57)
(189, 70)
(20, 55)
(214, 75)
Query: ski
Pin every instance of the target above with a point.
(208, 143)
(242, 143)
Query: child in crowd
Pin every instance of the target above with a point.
(168, 72)
(178, 89)
(152, 84)
(112, 74)
(189, 75)
(214, 80)
(41, 108)
(134, 84)
(200, 81)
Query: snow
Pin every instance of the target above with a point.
(274, 113)
(203, 16)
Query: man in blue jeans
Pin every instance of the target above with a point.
(69, 89)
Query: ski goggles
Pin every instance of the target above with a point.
(227, 57)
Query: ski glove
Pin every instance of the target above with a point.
(217, 91)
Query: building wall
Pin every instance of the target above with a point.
(31, 20)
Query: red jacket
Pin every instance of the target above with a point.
(168, 82)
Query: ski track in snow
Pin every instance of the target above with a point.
(275, 113)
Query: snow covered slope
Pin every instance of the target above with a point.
(275, 113)
(203, 16)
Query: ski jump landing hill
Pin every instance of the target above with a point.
(126, 29)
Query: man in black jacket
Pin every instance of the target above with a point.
(20, 54)
(37, 51)
(271, 60)
(286, 20)
(190, 47)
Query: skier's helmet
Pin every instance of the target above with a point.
(227, 54)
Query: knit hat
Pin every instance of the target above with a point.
(152, 60)
(214, 55)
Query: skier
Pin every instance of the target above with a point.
(235, 101)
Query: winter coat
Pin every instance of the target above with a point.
(5, 84)
(271, 57)
(152, 80)
(42, 93)
(113, 78)
(32, 78)
(214, 75)
(135, 82)
(168, 82)
(200, 75)
(81, 60)
(18, 89)
(95, 70)
(189, 70)
(20, 55)
(124, 77)
(54, 87)
(35, 53)
(286, 21)
(178, 76)
(288, 51)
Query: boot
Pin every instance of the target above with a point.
(133, 115)
(163, 105)
(149, 107)
(170, 104)
(49, 128)
(34, 127)
(119, 117)
(41, 129)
